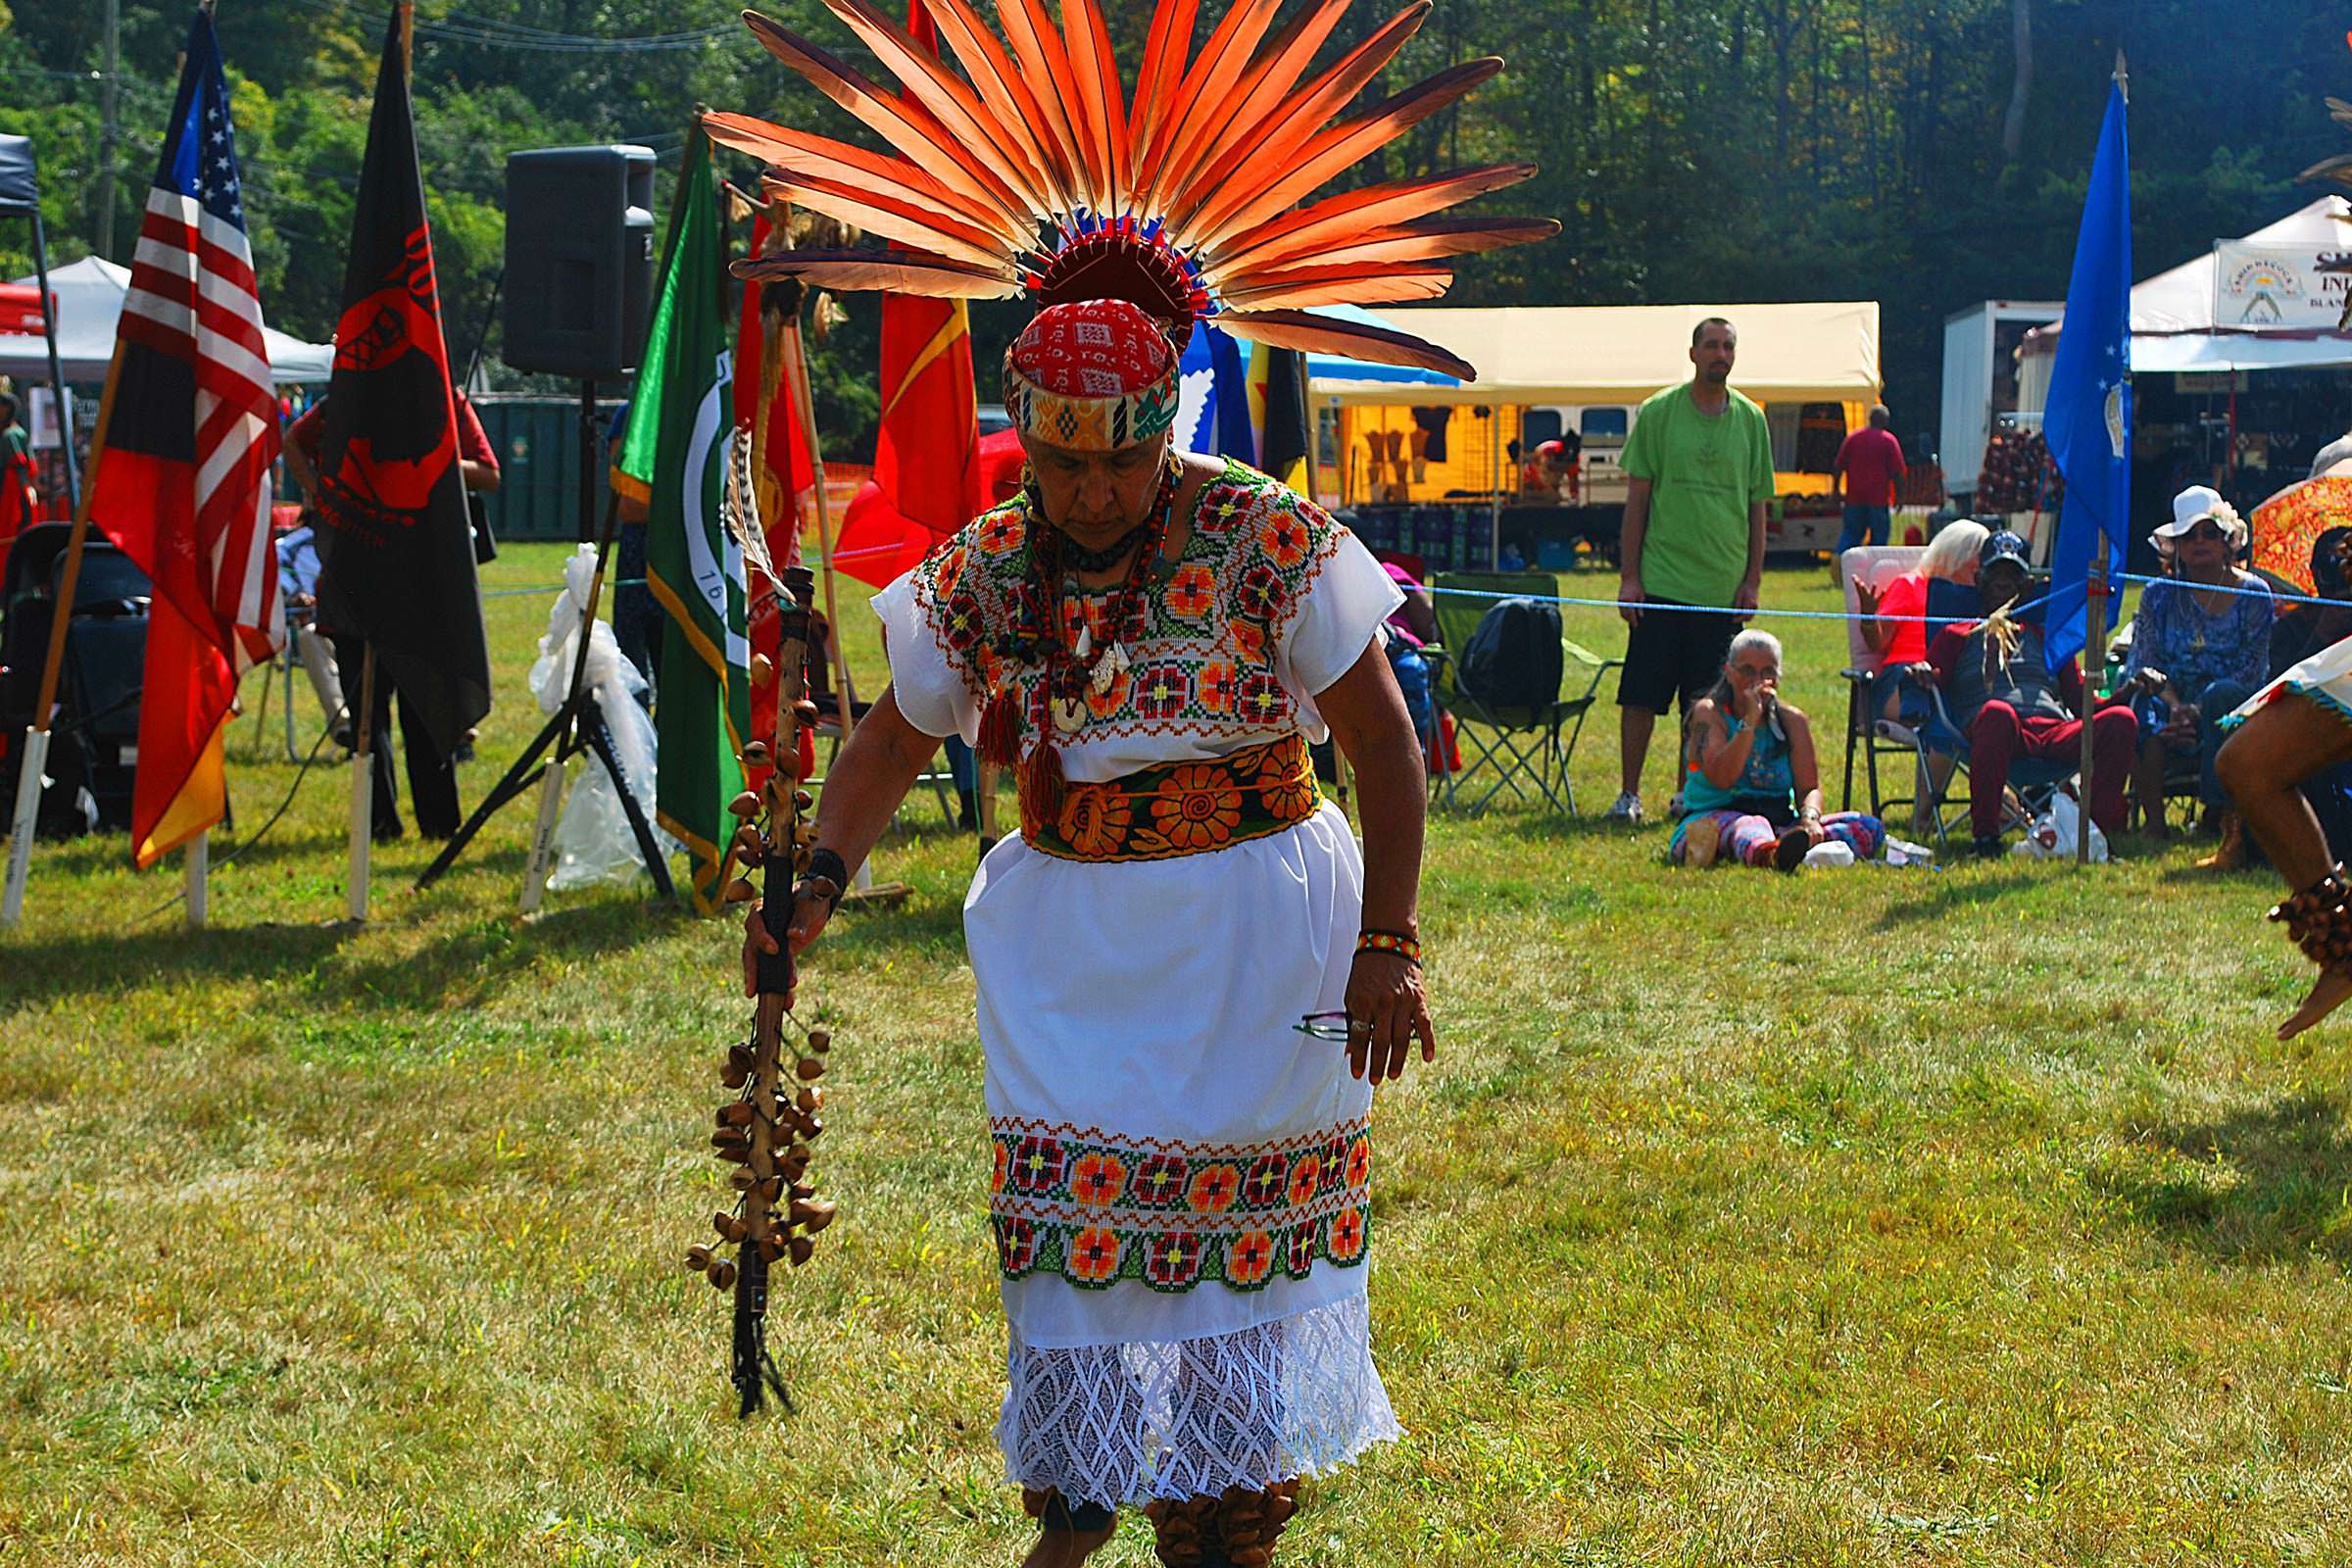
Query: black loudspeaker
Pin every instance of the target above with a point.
(580, 259)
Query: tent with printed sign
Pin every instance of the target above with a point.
(2176, 326)
(89, 297)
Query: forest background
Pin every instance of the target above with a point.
(1923, 153)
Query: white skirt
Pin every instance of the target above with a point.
(1180, 1193)
(2326, 677)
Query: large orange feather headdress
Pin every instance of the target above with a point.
(1035, 171)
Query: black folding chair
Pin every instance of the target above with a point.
(1521, 745)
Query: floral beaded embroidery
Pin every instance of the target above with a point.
(1204, 660)
(1096, 1210)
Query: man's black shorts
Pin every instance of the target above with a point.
(1674, 651)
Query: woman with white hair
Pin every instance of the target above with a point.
(1751, 785)
(2200, 647)
(1897, 628)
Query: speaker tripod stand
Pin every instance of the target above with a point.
(577, 726)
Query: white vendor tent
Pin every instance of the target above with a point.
(2174, 319)
(1579, 353)
(89, 300)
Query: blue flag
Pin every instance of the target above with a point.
(1212, 400)
(2089, 419)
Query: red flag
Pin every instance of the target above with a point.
(182, 482)
(926, 482)
(782, 476)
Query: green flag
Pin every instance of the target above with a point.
(673, 458)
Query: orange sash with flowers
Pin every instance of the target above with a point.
(1159, 813)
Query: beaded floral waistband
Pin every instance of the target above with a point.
(1158, 814)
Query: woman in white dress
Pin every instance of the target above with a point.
(1189, 978)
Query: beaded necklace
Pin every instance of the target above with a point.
(1075, 669)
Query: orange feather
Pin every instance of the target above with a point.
(1427, 240)
(1250, 168)
(1272, 76)
(911, 129)
(872, 209)
(899, 273)
(848, 163)
(1204, 93)
(1350, 214)
(1000, 82)
(1037, 46)
(1164, 50)
(1322, 335)
(1339, 147)
(1364, 283)
(1097, 76)
(956, 105)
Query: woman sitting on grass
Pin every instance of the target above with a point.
(1751, 786)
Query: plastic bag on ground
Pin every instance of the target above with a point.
(1829, 854)
(2052, 835)
(593, 842)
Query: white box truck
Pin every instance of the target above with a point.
(1980, 380)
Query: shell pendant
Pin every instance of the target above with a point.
(1069, 715)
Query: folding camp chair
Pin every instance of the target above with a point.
(1522, 745)
(1865, 730)
(104, 675)
(2035, 781)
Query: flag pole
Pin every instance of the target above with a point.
(198, 889)
(363, 791)
(2095, 602)
(35, 753)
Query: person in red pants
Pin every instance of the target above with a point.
(2001, 693)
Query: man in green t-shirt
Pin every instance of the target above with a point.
(1699, 461)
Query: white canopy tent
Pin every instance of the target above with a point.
(89, 300)
(1579, 353)
(2174, 325)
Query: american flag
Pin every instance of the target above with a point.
(193, 299)
(182, 478)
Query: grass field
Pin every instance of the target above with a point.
(1945, 1217)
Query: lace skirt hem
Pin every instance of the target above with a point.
(1115, 1424)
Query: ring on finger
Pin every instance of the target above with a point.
(1359, 1026)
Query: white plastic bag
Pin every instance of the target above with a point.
(1829, 854)
(2052, 835)
(593, 842)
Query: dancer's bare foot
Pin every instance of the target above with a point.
(2331, 991)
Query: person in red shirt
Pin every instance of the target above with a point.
(1865, 470)
(19, 500)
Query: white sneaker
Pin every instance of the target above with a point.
(1627, 809)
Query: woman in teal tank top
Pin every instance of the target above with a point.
(1751, 786)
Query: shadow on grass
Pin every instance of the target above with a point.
(473, 962)
(1948, 895)
(2260, 1185)
(115, 961)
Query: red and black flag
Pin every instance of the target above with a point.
(188, 431)
(396, 552)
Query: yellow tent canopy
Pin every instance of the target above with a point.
(1579, 353)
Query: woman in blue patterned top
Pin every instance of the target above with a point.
(2200, 647)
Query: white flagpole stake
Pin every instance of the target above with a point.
(543, 835)
(363, 792)
(36, 758)
(198, 867)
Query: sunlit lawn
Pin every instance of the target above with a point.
(1960, 1216)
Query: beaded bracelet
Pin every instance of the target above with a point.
(1406, 948)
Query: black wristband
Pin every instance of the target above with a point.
(829, 865)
